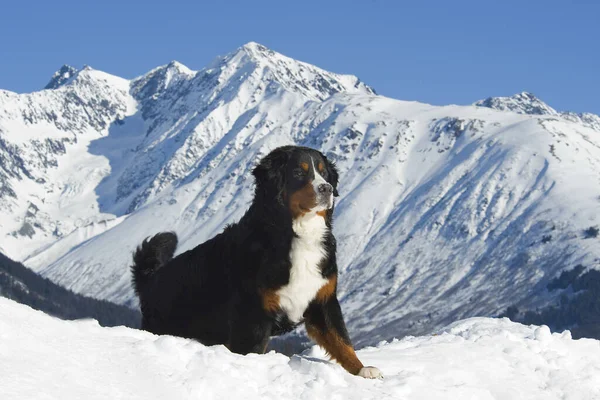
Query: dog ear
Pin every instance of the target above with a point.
(270, 173)
(333, 175)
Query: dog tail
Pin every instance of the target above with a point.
(150, 256)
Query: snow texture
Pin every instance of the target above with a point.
(444, 212)
(47, 358)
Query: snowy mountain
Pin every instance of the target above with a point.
(522, 103)
(444, 213)
(474, 359)
(527, 103)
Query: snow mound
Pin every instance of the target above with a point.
(44, 357)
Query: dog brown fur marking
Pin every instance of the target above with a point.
(270, 300)
(327, 290)
(335, 346)
(303, 200)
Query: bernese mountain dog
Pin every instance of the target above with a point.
(262, 276)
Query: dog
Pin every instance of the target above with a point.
(263, 276)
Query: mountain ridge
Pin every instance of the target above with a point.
(438, 206)
(528, 103)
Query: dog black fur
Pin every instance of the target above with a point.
(225, 291)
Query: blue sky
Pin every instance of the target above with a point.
(439, 52)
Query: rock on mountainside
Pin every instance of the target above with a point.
(445, 212)
(61, 77)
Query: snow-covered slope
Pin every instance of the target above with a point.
(445, 212)
(527, 103)
(96, 147)
(473, 359)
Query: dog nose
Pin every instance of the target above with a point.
(325, 188)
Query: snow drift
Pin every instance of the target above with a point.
(478, 358)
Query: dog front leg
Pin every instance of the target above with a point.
(325, 325)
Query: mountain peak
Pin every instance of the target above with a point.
(257, 51)
(293, 75)
(252, 46)
(160, 78)
(528, 103)
(521, 103)
(178, 67)
(61, 76)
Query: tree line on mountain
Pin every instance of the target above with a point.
(21, 284)
(577, 308)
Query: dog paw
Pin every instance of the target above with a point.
(370, 373)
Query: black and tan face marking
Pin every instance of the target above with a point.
(308, 188)
(297, 177)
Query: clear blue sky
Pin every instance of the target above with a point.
(439, 52)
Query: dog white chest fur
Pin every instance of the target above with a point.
(305, 275)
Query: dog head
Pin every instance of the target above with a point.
(299, 178)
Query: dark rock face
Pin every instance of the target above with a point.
(61, 76)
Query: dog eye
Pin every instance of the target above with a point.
(299, 173)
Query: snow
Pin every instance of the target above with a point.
(479, 358)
